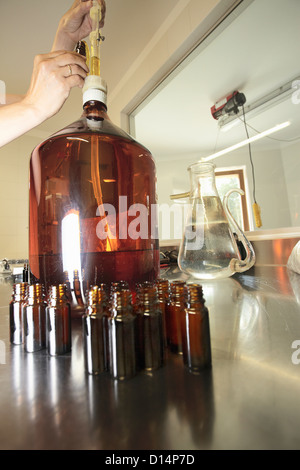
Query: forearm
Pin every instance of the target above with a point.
(15, 120)
(50, 86)
(13, 98)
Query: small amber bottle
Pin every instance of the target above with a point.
(58, 321)
(196, 332)
(94, 331)
(25, 273)
(68, 286)
(16, 313)
(150, 335)
(174, 311)
(163, 290)
(34, 318)
(118, 286)
(122, 335)
(77, 288)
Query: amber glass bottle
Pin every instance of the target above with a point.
(58, 321)
(195, 331)
(174, 311)
(150, 334)
(163, 290)
(16, 313)
(34, 318)
(122, 336)
(93, 202)
(95, 331)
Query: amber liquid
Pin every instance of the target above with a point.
(78, 171)
(95, 66)
(105, 267)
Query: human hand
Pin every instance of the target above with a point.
(53, 76)
(76, 24)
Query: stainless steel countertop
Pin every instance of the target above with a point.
(249, 400)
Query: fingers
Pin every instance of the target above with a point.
(53, 76)
(74, 81)
(84, 6)
(69, 66)
(74, 59)
(71, 70)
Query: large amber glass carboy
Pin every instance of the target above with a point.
(93, 202)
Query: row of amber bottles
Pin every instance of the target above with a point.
(121, 336)
(124, 332)
(38, 321)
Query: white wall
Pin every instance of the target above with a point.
(187, 23)
(14, 172)
(291, 166)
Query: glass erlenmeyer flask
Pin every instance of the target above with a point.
(92, 202)
(208, 249)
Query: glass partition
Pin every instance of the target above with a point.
(255, 52)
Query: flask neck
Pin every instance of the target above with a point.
(203, 182)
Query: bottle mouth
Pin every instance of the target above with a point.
(94, 89)
(202, 167)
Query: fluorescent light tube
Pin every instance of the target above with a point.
(247, 141)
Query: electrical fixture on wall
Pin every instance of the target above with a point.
(228, 106)
(227, 121)
(231, 111)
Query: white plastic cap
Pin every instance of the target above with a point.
(94, 89)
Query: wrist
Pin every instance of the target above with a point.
(36, 114)
(62, 41)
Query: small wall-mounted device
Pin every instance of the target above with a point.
(229, 105)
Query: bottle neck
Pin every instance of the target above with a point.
(121, 303)
(147, 298)
(178, 291)
(95, 110)
(195, 293)
(19, 291)
(97, 296)
(163, 289)
(57, 295)
(35, 294)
